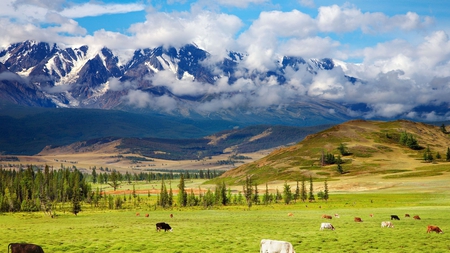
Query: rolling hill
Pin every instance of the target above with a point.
(373, 150)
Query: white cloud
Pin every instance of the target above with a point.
(92, 9)
(307, 3)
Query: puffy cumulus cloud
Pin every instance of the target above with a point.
(348, 18)
(211, 31)
(260, 41)
(115, 84)
(143, 99)
(184, 87)
(312, 47)
(328, 85)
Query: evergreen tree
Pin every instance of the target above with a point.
(311, 190)
(287, 193)
(438, 155)
(182, 195)
(343, 149)
(256, 195)
(303, 192)
(443, 128)
(94, 175)
(170, 195)
(114, 178)
(266, 196)
(447, 155)
(76, 198)
(248, 191)
(297, 193)
(325, 191)
(164, 196)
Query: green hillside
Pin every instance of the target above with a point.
(371, 148)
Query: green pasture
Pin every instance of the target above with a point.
(238, 229)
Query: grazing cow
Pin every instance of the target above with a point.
(326, 226)
(290, 214)
(25, 248)
(416, 217)
(407, 215)
(171, 215)
(327, 217)
(272, 246)
(146, 215)
(371, 215)
(434, 229)
(357, 219)
(387, 224)
(163, 225)
(137, 214)
(336, 215)
(394, 217)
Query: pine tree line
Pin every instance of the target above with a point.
(35, 190)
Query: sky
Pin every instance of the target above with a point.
(401, 48)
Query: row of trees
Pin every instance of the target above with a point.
(249, 195)
(105, 177)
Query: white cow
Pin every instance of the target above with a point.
(387, 224)
(326, 226)
(272, 246)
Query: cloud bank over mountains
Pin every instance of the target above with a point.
(407, 67)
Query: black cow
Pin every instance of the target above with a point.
(394, 217)
(25, 248)
(163, 225)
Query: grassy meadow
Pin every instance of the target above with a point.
(237, 229)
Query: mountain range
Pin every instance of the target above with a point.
(183, 82)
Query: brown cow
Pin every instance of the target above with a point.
(434, 229)
(371, 215)
(407, 215)
(416, 217)
(146, 215)
(357, 219)
(171, 215)
(137, 214)
(290, 214)
(25, 248)
(327, 217)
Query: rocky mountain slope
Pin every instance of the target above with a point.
(155, 79)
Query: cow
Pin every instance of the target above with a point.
(336, 215)
(327, 217)
(371, 215)
(357, 219)
(387, 224)
(137, 214)
(163, 225)
(273, 246)
(434, 229)
(394, 217)
(147, 215)
(407, 215)
(25, 248)
(326, 226)
(416, 217)
(171, 215)
(290, 214)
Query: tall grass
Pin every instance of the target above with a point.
(237, 229)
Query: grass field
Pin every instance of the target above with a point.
(236, 229)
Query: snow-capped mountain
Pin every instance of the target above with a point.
(183, 81)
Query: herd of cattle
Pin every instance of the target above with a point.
(266, 245)
(274, 246)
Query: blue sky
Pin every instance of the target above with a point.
(401, 48)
